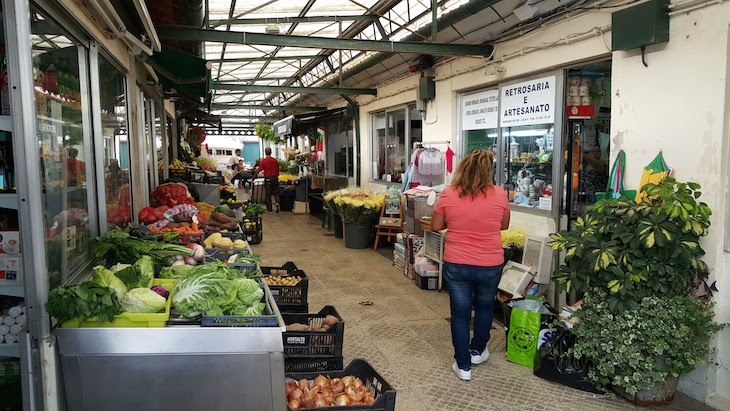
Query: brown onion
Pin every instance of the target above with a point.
(357, 383)
(321, 381)
(308, 399)
(347, 380)
(296, 394)
(338, 387)
(303, 383)
(369, 398)
(342, 400)
(320, 403)
(290, 386)
(294, 404)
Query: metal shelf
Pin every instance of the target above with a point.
(12, 288)
(10, 350)
(9, 201)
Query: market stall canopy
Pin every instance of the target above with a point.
(183, 72)
(304, 122)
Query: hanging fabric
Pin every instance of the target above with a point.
(449, 159)
(654, 172)
(431, 163)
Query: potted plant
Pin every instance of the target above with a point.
(328, 200)
(264, 131)
(358, 209)
(641, 352)
(632, 257)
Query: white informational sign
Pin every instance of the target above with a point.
(479, 111)
(528, 103)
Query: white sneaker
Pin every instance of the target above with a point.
(463, 375)
(479, 358)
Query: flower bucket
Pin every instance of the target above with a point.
(337, 222)
(661, 393)
(357, 236)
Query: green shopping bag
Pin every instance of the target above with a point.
(529, 326)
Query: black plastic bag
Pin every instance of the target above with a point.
(552, 363)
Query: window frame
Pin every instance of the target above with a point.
(408, 136)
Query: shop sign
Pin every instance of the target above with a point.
(479, 111)
(528, 103)
(284, 127)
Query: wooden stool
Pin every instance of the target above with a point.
(389, 225)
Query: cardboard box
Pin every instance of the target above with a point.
(300, 207)
(10, 257)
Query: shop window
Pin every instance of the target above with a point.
(115, 137)
(60, 74)
(393, 135)
(528, 164)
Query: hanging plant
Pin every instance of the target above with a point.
(264, 131)
(195, 138)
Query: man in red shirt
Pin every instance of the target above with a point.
(270, 167)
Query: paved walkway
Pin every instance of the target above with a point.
(405, 334)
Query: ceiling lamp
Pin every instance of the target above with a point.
(273, 29)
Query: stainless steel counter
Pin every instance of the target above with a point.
(182, 368)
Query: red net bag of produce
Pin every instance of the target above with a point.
(172, 194)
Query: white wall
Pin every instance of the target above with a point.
(678, 105)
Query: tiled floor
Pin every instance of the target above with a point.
(405, 334)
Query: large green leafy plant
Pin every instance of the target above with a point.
(635, 250)
(640, 347)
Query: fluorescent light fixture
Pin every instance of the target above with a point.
(525, 11)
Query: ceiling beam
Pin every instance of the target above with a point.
(293, 20)
(293, 89)
(217, 106)
(262, 118)
(256, 59)
(188, 33)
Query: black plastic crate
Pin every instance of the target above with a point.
(233, 235)
(427, 283)
(313, 364)
(293, 308)
(216, 179)
(255, 238)
(314, 343)
(251, 224)
(267, 319)
(288, 267)
(384, 392)
(291, 294)
(196, 176)
(178, 173)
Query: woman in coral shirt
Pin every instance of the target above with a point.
(475, 211)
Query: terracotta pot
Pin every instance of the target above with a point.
(661, 393)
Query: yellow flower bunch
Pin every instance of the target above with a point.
(513, 237)
(285, 178)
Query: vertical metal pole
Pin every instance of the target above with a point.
(340, 35)
(30, 208)
(99, 150)
(434, 17)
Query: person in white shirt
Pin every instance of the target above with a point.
(235, 163)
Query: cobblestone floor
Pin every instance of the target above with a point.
(405, 333)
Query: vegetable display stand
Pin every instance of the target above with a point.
(196, 176)
(224, 254)
(182, 368)
(131, 320)
(314, 343)
(384, 392)
(178, 173)
(357, 236)
(315, 364)
(291, 294)
(339, 228)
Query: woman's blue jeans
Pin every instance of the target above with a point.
(471, 286)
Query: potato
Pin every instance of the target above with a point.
(329, 320)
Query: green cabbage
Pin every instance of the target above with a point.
(146, 268)
(178, 271)
(143, 300)
(106, 278)
(249, 292)
(209, 292)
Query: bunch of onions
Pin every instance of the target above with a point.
(328, 392)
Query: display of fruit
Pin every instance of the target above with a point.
(231, 202)
(177, 165)
(249, 225)
(282, 280)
